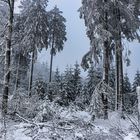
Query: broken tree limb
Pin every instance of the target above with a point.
(41, 125)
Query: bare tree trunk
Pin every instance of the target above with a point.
(121, 79)
(7, 58)
(51, 61)
(31, 74)
(17, 75)
(117, 76)
(105, 66)
(117, 54)
(119, 65)
(121, 108)
(105, 78)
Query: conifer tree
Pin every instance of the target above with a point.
(35, 31)
(57, 76)
(8, 55)
(136, 81)
(93, 78)
(57, 80)
(77, 80)
(133, 95)
(107, 23)
(3, 24)
(127, 93)
(57, 34)
(68, 86)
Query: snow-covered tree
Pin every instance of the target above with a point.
(57, 76)
(69, 84)
(4, 18)
(93, 78)
(35, 31)
(107, 23)
(57, 34)
(127, 93)
(77, 80)
(8, 42)
(3, 25)
(127, 84)
(85, 95)
(136, 81)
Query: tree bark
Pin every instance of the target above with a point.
(7, 58)
(119, 64)
(51, 61)
(105, 78)
(121, 77)
(105, 67)
(17, 75)
(117, 76)
(31, 74)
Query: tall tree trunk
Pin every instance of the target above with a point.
(7, 58)
(121, 107)
(105, 65)
(117, 75)
(105, 78)
(17, 75)
(31, 74)
(51, 61)
(119, 64)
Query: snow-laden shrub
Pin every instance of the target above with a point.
(45, 112)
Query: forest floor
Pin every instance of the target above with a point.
(71, 125)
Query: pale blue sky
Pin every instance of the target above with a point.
(78, 44)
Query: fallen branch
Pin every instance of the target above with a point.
(41, 125)
(131, 120)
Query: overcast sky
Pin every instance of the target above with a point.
(78, 44)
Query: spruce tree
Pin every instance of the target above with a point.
(127, 84)
(68, 86)
(77, 80)
(127, 93)
(57, 76)
(136, 81)
(57, 34)
(108, 22)
(8, 44)
(34, 35)
(93, 78)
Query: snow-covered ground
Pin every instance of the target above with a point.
(72, 125)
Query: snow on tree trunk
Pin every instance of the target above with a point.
(121, 81)
(138, 96)
(117, 76)
(106, 66)
(17, 75)
(7, 58)
(119, 63)
(105, 78)
(31, 74)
